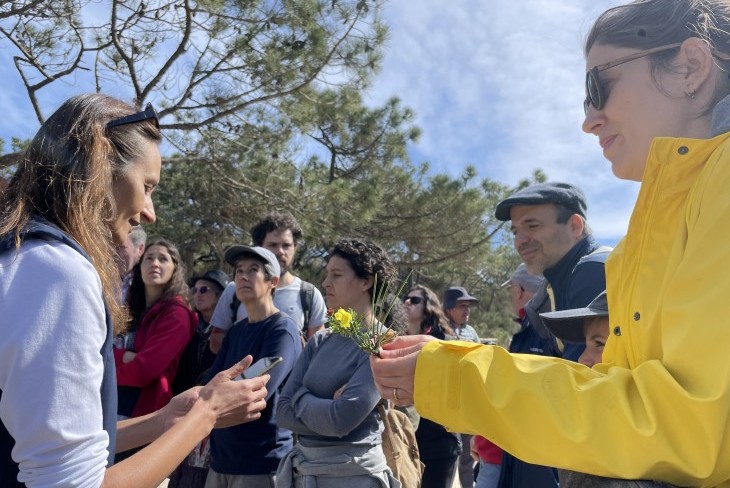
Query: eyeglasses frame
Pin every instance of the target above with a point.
(592, 73)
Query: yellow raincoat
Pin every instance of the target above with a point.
(659, 406)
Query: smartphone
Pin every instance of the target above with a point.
(262, 366)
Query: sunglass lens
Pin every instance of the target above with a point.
(413, 300)
(593, 91)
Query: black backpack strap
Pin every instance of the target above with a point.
(306, 297)
(234, 308)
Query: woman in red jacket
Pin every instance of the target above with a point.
(162, 325)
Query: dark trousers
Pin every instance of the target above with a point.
(466, 463)
(439, 473)
(571, 479)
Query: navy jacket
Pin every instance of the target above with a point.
(575, 281)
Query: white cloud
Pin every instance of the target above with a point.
(499, 84)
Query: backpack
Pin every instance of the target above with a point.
(306, 297)
(400, 447)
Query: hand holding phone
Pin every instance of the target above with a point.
(260, 367)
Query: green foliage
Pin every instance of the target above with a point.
(262, 106)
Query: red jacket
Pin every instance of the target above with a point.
(488, 451)
(165, 330)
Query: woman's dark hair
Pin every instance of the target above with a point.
(176, 286)
(434, 320)
(368, 260)
(645, 24)
(67, 175)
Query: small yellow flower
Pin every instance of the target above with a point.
(344, 318)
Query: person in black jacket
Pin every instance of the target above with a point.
(439, 448)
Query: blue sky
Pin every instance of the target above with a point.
(499, 85)
(496, 84)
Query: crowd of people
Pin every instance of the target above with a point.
(330, 411)
(116, 369)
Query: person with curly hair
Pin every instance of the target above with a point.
(330, 400)
(162, 325)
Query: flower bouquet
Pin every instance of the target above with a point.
(368, 336)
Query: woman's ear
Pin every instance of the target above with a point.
(367, 283)
(696, 63)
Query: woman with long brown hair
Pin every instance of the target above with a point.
(439, 448)
(162, 325)
(86, 179)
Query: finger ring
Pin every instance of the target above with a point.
(395, 394)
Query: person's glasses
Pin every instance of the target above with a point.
(200, 289)
(413, 300)
(596, 93)
(146, 114)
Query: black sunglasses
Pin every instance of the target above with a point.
(596, 93)
(146, 114)
(414, 300)
(201, 289)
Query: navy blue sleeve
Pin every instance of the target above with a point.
(294, 387)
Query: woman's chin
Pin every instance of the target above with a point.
(627, 170)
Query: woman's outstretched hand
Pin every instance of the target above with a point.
(395, 370)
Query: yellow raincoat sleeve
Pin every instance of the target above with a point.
(658, 407)
(557, 413)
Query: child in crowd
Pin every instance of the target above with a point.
(589, 325)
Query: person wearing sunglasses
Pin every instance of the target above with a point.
(657, 407)
(439, 448)
(425, 315)
(197, 358)
(84, 182)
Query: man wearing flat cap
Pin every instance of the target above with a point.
(548, 222)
